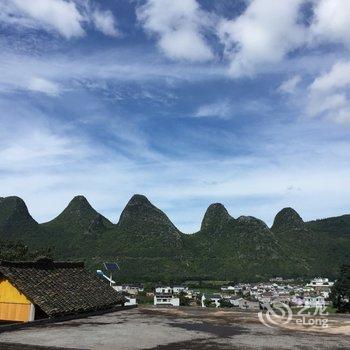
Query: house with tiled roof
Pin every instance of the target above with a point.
(47, 289)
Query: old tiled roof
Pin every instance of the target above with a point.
(60, 288)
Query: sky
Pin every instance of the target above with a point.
(192, 102)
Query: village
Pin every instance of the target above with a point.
(48, 304)
(245, 296)
(46, 289)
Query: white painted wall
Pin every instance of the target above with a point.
(160, 300)
(31, 313)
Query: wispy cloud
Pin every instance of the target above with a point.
(44, 86)
(221, 109)
(108, 117)
(104, 21)
(75, 70)
(47, 162)
(289, 86)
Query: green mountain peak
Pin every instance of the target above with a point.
(141, 215)
(149, 246)
(14, 208)
(215, 218)
(15, 219)
(288, 219)
(77, 217)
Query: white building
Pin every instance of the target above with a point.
(320, 282)
(297, 300)
(235, 300)
(129, 288)
(179, 289)
(249, 304)
(130, 301)
(215, 298)
(164, 290)
(166, 299)
(322, 286)
(228, 288)
(317, 301)
(192, 293)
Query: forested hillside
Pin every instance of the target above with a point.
(149, 247)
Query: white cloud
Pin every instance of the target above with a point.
(65, 17)
(47, 169)
(222, 109)
(320, 104)
(329, 94)
(331, 21)
(47, 165)
(104, 22)
(262, 35)
(44, 86)
(338, 77)
(289, 86)
(62, 16)
(47, 161)
(179, 26)
(93, 71)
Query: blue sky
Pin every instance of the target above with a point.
(246, 103)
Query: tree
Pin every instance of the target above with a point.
(340, 294)
(208, 303)
(13, 250)
(16, 250)
(225, 303)
(184, 301)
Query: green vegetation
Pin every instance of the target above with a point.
(340, 294)
(149, 248)
(17, 251)
(225, 303)
(313, 311)
(330, 310)
(143, 298)
(184, 301)
(208, 303)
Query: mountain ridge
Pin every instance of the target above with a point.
(346, 217)
(149, 245)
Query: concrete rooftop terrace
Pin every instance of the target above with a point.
(177, 328)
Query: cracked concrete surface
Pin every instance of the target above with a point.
(177, 328)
